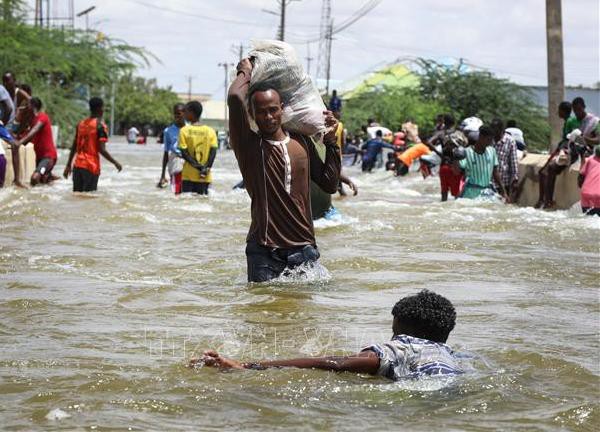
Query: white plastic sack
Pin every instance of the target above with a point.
(385, 132)
(276, 63)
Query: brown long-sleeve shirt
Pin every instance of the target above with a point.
(277, 176)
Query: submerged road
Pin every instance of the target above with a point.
(103, 298)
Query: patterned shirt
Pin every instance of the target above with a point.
(508, 164)
(410, 357)
(479, 168)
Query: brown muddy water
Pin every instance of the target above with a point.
(102, 300)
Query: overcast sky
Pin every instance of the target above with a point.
(508, 37)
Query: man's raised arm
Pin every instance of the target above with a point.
(239, 127)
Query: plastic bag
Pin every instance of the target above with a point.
(276, 63)
(412, 132)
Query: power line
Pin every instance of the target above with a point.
(360, 13)
(195, 15)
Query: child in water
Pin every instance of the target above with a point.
(421, 326)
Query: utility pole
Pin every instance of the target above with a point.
(37, 12)
(556, 70)
(225, 67)
(239, 50)
(189, 79)
(283, 4)
(72, 13)
(329, 43)
(323, 41)
(282, 8)
(309, 59)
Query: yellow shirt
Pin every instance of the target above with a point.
(197, 140)
(339, 135)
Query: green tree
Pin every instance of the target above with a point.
(142, 102)
(391, 106)
(66, 66)
(12, 10)
(483, 95)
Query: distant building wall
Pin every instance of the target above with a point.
(590, 95)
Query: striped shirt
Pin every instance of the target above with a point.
(410, 357)
(479, 168)
(508, 163)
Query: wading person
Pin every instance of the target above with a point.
(9, 96)
(198, 146)
(43, 144)
(372, 149)
(320, 201)
(90, 140)
(506, 151)
(589, 182)
(480, 167)
(172, 160)
(551, 169)
(449, 138)
(277, 168)
(421, 326)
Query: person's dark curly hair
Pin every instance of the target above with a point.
(428, 315)
(195, 107)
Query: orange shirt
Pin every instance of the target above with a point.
(90, 133)
(413, 153)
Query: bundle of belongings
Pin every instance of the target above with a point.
(276, 64)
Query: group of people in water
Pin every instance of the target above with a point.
(277, 168)
(23, 121)
(283, 172)
(476, 160)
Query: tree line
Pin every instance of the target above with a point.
(451, 89)
(66, 66)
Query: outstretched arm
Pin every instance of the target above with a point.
(363, 362)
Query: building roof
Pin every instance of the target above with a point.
(186, 97)
(394, 75)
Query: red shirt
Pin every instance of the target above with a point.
(43, 143)
(90, 133)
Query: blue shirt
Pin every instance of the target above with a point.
(374, 147)
(335, 104)
(411, 357)
(170, 136)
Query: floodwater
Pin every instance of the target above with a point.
(104, 298)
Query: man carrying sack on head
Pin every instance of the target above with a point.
(277, 166)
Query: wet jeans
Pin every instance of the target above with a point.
(266, 263)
